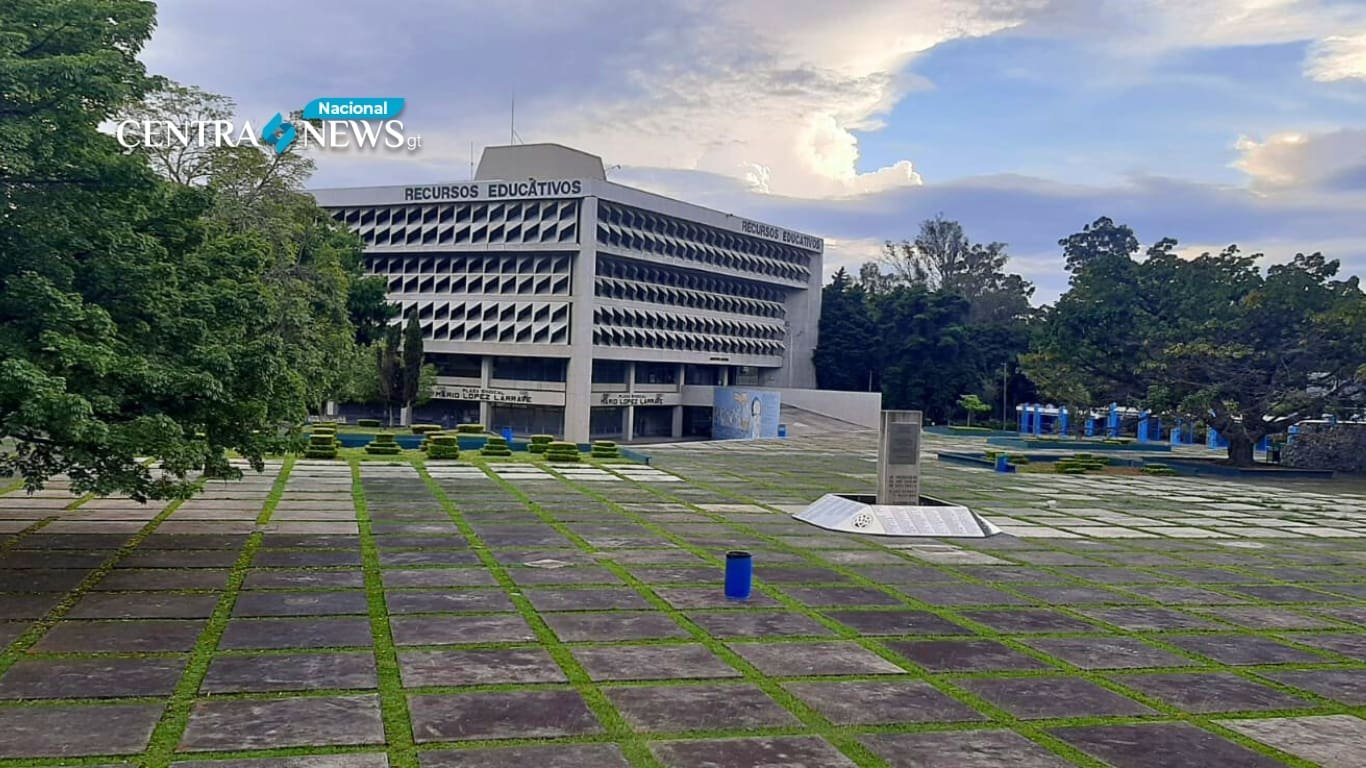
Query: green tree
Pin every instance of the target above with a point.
(845, 356)
(973, 404)
(943, 258)
(1210, 338)
(325, 304)
(926, 354)
(389, 370)
(127, 326)
(411, 372)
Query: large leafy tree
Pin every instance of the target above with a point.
(127, 328)
(1209, 338)
(324, 302)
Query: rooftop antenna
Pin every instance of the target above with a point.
(513, 137)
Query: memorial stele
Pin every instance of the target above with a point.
(898, 509)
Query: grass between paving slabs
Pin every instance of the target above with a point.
(1035, 729)
(844, 738)
(19, 648)
(393, 701)
(161, 751)
(614, 725)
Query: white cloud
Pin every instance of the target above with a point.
(1338, 57)
(1293, 159)
(773, 92)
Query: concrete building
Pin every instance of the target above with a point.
(553, 300)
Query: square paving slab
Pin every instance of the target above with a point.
(1332, 741)
(478, 667)
(506, 715)
(294, 672)
(799, 659)
(775, 752)
(457, 630)
(758, 623)
(1212, 692)
(617, 625)
(882, 703)
(318, 632)
(965, 655)
(550, 756)
(652, 662)
(1162, 745)
(120, 636)
(699, 707)
(962, 749)
(90, 678)
(72, 731)
(217, 724)
(1032, 698)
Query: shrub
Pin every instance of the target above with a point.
(1016, 459)
(321, 446)
(561, 451)
(442, 446)
(367, 422)
(539, 442)
(605, 449)
(495, 446)
(470, 429)
(383, 445)
(422, 429)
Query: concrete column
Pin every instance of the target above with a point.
(578, 387)
(485, 379)
(676, 430)
(628, 414)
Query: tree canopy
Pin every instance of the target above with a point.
(1211, 338)
(175, 308)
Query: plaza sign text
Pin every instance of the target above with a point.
(481, 394)
(495, 190)
(770, 232)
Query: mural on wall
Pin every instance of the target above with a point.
(744, 414)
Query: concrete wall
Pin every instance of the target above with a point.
(1340, 447)
(862, 408)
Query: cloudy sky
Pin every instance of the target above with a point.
(1211, 121)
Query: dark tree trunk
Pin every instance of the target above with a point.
(1240, 445)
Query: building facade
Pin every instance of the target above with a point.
(554, 301)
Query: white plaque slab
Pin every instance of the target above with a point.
(898, 459)
(856, 515)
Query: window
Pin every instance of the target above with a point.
(702, 374)
(609, 372)
(529, 368)
(463, 366)
(656, 373)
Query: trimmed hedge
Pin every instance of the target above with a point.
(561, 451)
(422, 429)
(321, 446)
(470, 429)
(605, 449)
(442, 446)
(495, 446)
(539, 442)
(368, 422)
(383, 445)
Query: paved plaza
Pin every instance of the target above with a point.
(326, 615)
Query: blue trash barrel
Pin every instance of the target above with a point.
(782, 430)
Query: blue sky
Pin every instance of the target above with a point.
(1213, 121)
